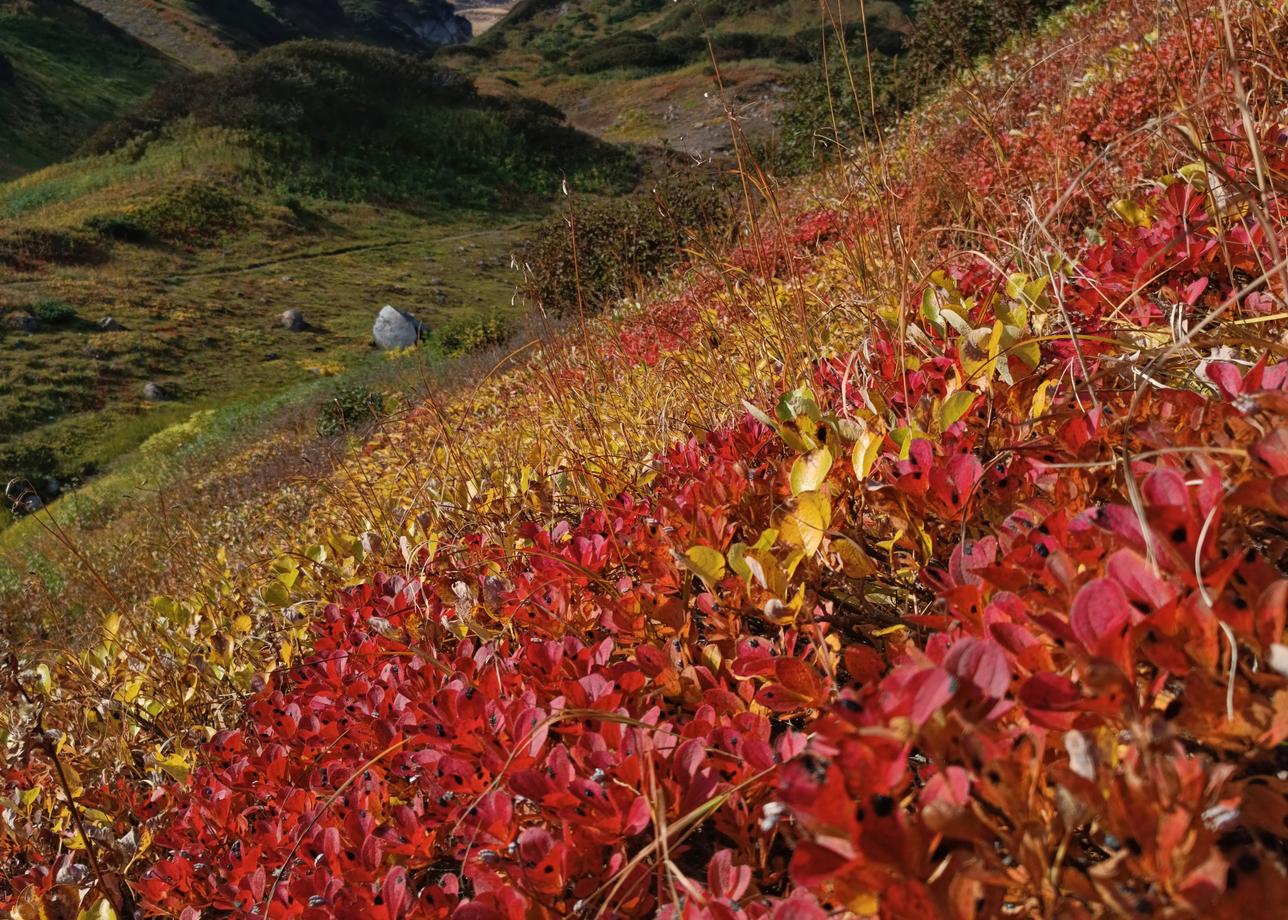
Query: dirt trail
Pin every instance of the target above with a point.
(241, 268)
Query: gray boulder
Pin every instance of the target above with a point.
(109, 324)
(395, 329)
(154, 392)
(292, 320)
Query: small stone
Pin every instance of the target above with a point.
(154, 392)
(292, 320)
(109, 324)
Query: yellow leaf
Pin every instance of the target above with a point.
(73, 780)
(242, 624)
(889, 630)
(806, 525)
(175, 766)
(768, 537)
(707, 563)
(866, 449)
(954, 407)
(1132, 213)
(809, 470)
(854, 561)
(1042, 398)
(978, 352)
(865, 904)
(130, 692)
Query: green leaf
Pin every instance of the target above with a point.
(795, 403)
(738, 562)
(277, 594)
(954, 407)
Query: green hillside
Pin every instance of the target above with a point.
(63, 72)
(67, 67)
(332, 178)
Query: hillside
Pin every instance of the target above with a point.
(920, 551)
(64, 72)
(74, 65)
(329, 178)
(639, 71)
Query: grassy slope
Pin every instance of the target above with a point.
(638, 71)
(216, 224)
(72, 72)
(81, 63)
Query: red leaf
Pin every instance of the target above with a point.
(864, 663)
(982, 663)
(1101, 617)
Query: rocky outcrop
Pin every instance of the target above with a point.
(435, 23)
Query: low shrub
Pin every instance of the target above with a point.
(29, 248)
(52, 311)
(619, 241)
(463, 335)
(348, 406)
(950, 34)
(123, 228)
(350, 121)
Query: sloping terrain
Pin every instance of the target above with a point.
(640, 71)
(922, 556)
(63, 72)
(330, 178)
(67, 67)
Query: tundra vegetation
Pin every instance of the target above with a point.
(913, 547)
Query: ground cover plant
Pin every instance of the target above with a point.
(921, 556)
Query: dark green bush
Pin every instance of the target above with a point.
(947, 36)
(123, 228)
(620, 241)
(357, 122)
(950, 34)
(627, 49)
(25, 464)
(348, 406)
(822, 111)
(53, 312)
